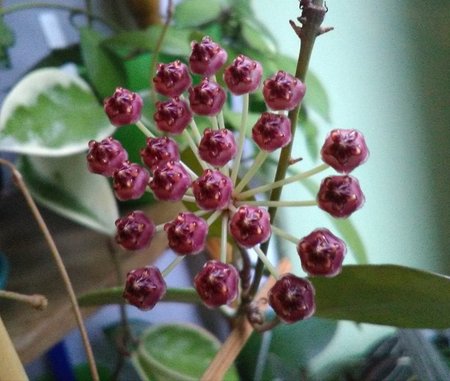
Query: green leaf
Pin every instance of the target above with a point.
(65, 186)
(59, 57)
(176, 41)
(105, 70)
(256, 39)
(6, 41)
(294, 344)
(6, 35)
(51, 113)
(178, 352)
(194, 13)
(310, 131)
(113, 295)
(386, 295)
(316, 97)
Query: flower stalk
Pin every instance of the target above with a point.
(311, 19)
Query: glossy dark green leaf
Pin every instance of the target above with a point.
(387, 295)
(51, 113)
(65, 186)
(194, 13)
(178, 352)
(293, 344)
(104, 70)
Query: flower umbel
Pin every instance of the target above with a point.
(216, 194)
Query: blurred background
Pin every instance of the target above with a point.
(386, 70)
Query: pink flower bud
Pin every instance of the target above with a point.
(105, 157)
(172, 79)
(282, 91)
(321, 253)
(272, 131)
(340, 196)
(134, 231)
(212, 190)
(158, 151)
(130, 181)
(250, 226)
(292, 298)
(187, 234)
(243, 75)
(207, 98)
(144, 287)
(172, 116)
(170, 181)
(207, 57)
(217, 283)
(123, 107)
(344, 150)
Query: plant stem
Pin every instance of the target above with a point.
(282, 182)
(36, 301)
(10, 366)
(221, 119)
(223, 238)
(196, 131)
(285, 235)
(127, 336)
(213, 217)
(172, 265)
(237, 159)
(259, 160)
(59, 263)
(194, 149)
(214, 124)
(278, 204)
(143, 128)
(311, 28)
(189, 199)
(263, 258)
(21, 7)
(159, 45)
(241, 332)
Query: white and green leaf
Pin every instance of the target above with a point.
(51, 113)
(65, 186)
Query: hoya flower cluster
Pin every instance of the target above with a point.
(218, 193)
